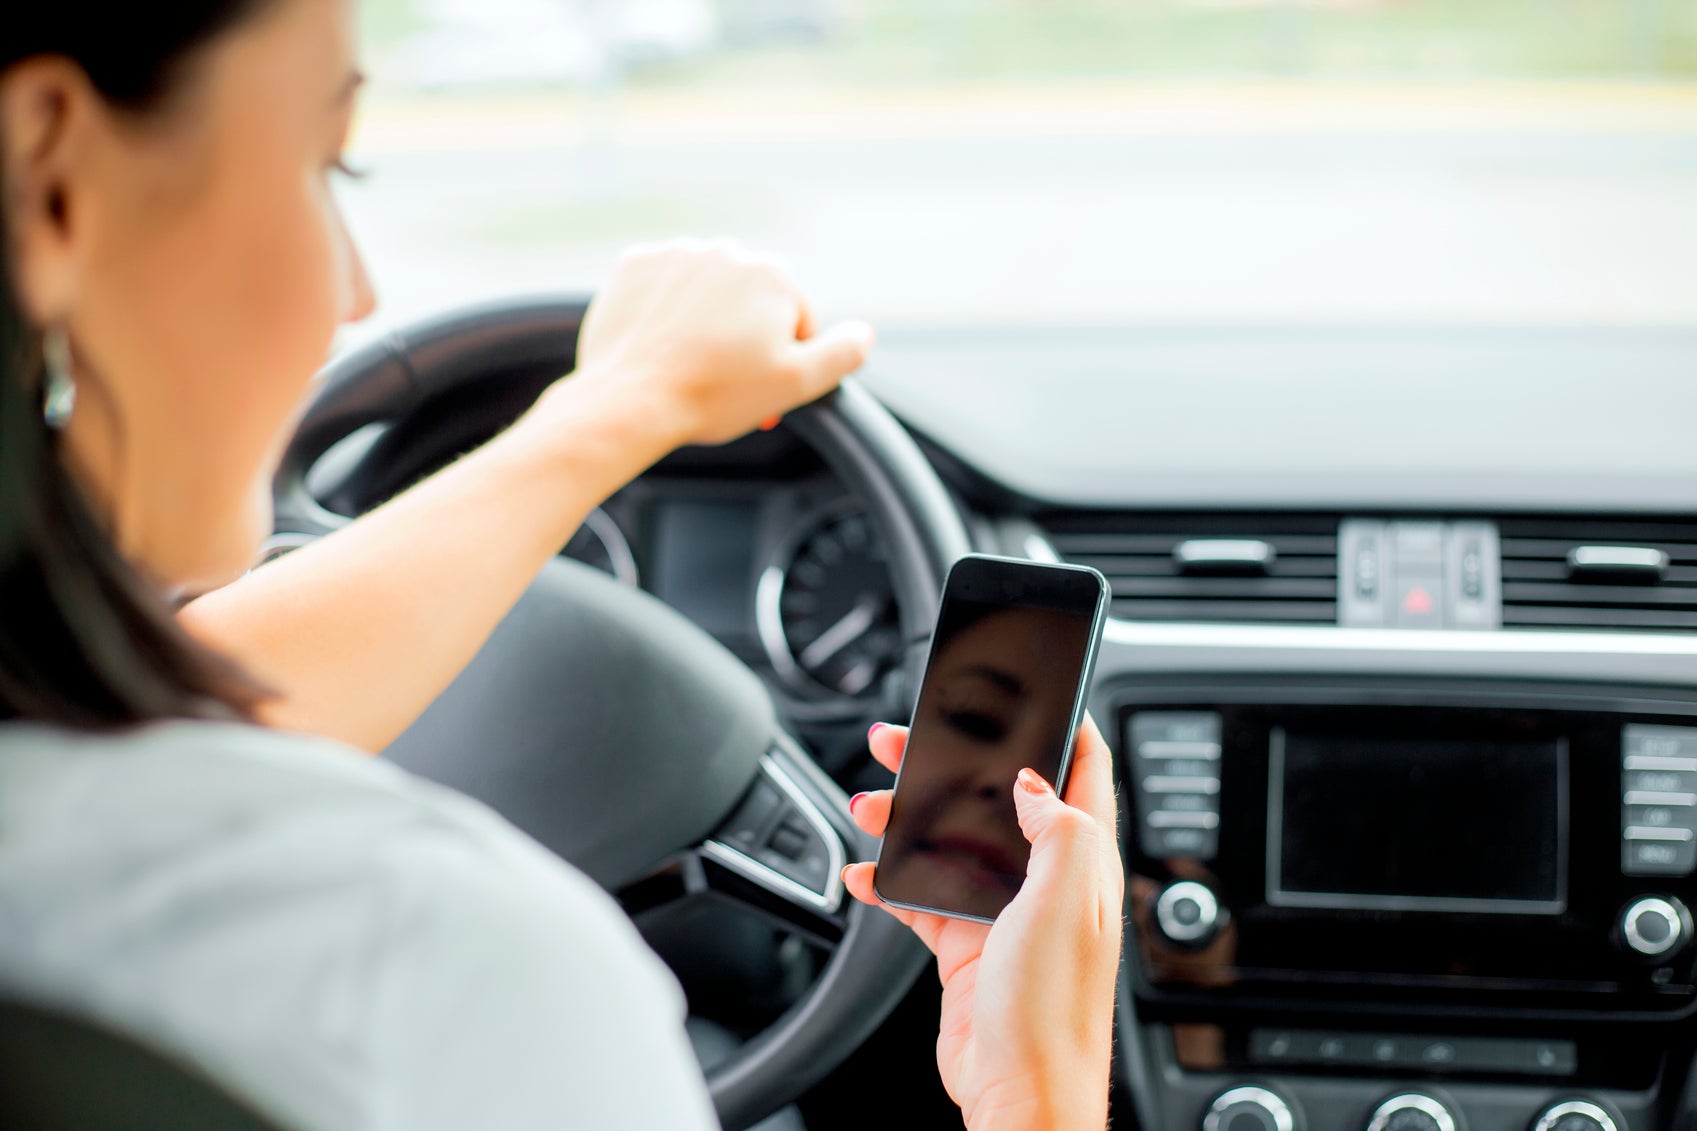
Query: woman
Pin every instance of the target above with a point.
(335, 942)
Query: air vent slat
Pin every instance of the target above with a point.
(1541, 549)
(1116, 565)
(1233, 612)
(1225, 588)
(1521, 570)
(1635, 620)
(1600, 596)
(1136, 552)
(1115, 543)
(1540, 590)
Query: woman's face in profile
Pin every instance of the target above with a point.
(999, 695)
(196, 258)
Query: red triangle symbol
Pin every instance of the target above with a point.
(1418, 602)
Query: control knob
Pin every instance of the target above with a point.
(1187, 914)
(1412, 1111)
(1655, 926)
(1249, 1109)
(1574, 1115)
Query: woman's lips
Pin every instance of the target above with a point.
(977, 854)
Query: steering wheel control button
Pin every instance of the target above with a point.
(777, 838)
(1412, 1111)
(1658, 803)
(1249, 1109)
(1574, 1115)
(1187, 914)
(1655, 926)
(1176, 768)
(749, 825)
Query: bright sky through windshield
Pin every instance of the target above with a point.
(1050, 161)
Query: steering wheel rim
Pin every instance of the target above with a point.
(923, 534)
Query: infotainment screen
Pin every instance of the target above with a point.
(1417, 824)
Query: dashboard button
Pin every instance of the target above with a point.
(1658, 858)
(1418, 601)
(1192, 844)
(1553, 1058)
(1660, 781)
(1200, 730)
(1437, 1054)
(1636, 814)
(1642, 741)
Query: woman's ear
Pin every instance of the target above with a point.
(48, 114)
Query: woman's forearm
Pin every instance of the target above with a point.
(361, 630)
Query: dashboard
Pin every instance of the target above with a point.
(1401, 670)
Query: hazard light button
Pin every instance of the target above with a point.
(1418, 602)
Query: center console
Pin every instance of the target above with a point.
(1409, 907)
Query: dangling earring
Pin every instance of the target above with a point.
(59, 390)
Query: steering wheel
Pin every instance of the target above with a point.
(625, 738)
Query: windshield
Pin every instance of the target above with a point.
(964, 162)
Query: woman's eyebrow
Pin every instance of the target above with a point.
(1007, 681)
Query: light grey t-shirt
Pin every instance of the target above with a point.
(341, 944)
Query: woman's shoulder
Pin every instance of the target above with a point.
(214, 800)
(311, 924)
(220, 779)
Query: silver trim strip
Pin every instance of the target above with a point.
(599, 523)
(1658, 762)
(754, 871)
(1553, 1116)
(1651, 905)
(1160, 784)
(1267, 1101)
(1167, 748)
(1169, 819)
(1649, 797)
(1207, 911)
(1657, 832)
(1509, 642)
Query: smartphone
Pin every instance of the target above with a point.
(1004, 689)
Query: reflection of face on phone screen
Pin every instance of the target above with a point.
(998, 697)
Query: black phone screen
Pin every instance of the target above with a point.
(1013, 646)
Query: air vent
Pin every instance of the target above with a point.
(1600, 573)
(1235, 568)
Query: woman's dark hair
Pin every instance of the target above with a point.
(84, 639)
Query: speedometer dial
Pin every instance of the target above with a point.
(826, 608)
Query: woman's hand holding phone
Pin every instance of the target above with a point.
(1027, 1025)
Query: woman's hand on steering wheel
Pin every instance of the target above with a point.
(1027, 1025)
(712, 337)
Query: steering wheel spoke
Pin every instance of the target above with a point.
(779, 854)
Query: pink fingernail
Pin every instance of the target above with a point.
(874, 729)
(1032, 782)
(855, 800)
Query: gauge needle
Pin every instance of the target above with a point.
(842, 634)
